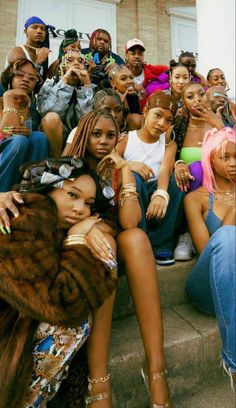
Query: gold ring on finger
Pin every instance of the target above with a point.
(2, 209)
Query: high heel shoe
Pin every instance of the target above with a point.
(90, 398)
(155, 376)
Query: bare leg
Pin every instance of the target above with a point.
(52, 126)
(135, 251)
(98, 347)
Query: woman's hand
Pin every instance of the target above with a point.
(84, 77)
(183, 176)
(99, 245)
(16, 98)
(111, 161)
(7, 205)
(157, 208)
(72, 76)
(19, 130)
(83, 227)
(207, 114)
(142, 169)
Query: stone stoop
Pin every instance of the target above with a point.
(171, 281)
(214, 395)
(192, 344)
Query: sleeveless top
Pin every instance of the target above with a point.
(191, 154)
(213, 222)
(27, 56)
(151, 154)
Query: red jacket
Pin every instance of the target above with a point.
(152, 72)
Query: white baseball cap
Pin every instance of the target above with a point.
(134, 42)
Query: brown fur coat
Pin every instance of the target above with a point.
(41, 281)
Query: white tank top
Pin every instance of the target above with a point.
(27, 56)
(151, 154)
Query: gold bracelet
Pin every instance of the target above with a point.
(161, 193)
(19, 112)
(74, 240)
(10, 110)
(127, 192)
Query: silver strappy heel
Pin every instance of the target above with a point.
(155, 376)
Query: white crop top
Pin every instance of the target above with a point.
(151, 154)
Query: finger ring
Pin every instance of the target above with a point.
(2, 209)
(186, 174)
(205, 110)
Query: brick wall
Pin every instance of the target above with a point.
(144, 19)
(8, 18)
(149, 21)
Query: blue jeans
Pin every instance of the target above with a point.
(211, 286)
(17, 150)
(162, 232)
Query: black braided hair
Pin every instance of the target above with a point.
(180, 129)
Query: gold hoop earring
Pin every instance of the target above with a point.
(172, 140)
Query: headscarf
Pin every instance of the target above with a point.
(37, 20)
(162, 100)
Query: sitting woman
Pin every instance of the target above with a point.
(95, 139)
(20, 139)
(171, 82)
(50, 283)
(210, 212)
(190, 60)
(62, 101)
(151, 154)
(108, 100)
(70, 43)
(121, 80)
(191, 124)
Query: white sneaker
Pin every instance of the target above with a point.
(184, 250)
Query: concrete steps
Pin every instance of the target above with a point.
(171, 280)
(192, 344)
(215, 395)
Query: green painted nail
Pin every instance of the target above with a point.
(3, 230)
(8, 229)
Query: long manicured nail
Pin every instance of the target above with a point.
(8, 229)
(3, 230)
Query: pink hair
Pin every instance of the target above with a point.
(214, 140)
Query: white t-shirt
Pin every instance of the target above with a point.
(139, 80)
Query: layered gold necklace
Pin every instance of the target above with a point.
(197, 139)
(227, 196)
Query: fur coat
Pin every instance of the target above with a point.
(40, 281)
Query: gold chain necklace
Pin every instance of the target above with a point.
(33, 48)
(197, 140)
(227, 196)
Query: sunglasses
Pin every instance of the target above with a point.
(22, 74)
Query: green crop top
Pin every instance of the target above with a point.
(191, 154)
